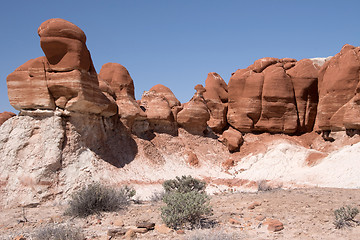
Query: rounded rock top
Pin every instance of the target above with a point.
(57, 27)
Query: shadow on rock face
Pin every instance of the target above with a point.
(106, 137)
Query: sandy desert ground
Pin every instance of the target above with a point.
(305, 214)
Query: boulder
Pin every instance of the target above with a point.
(274, 225)
(5, 116)
(195, 114)
(232, 139)
(338, 106)
(216, 97)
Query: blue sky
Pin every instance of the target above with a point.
(176, 43)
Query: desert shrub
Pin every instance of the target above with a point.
(186, 202)
(58, 232)
(184, 184)
(185, 208)
(96, 198)
(212, 235)
(344, 217)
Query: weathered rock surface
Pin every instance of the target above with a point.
(338, 106)
(274, 95)
(115, 79)
(49, 154)
(159, 111)
(64, 78)
(216, 97)
(167, 94)
(5, 116)
(27, 86)
(195, 114)
(304, 78)
(232, 139)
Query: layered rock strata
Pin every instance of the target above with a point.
(64, 78)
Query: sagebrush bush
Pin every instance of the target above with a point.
(185, 208)
(344, 217)
(58, 232)
(184, 184)
(186, 202)
(96, 198)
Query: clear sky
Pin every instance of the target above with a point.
(177, 42)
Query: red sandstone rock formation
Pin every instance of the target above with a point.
(338, 107)
(158, 111)
(5, 116)
(304, 78)
(27, 86)
(232, 139)
(167, 94)
(274, 95)
(115, 79)
(216, 97)
(65, 78)
(195, 114)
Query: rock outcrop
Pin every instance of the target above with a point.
(5, 116)
(160, 105)
(232, 139)
(195, 114)
(216, 97)
(274, 95)
(64, 78)
(338, 107)
(73, 126)
(116, 81)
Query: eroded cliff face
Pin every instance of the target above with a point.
(76, 126)
(46, 155)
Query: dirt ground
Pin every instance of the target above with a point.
(305, 214)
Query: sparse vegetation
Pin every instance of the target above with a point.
(96, 198)
(186, 203)
(58, 232)
(344, 217)
(184, 184)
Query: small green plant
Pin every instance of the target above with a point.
(184, 184)
(96, 198)
(58, 232)
(344, 217)
(185, 208)
(186, 203)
